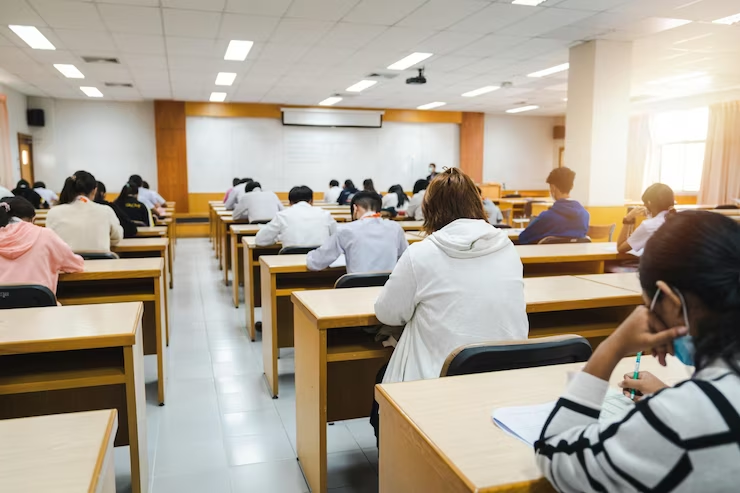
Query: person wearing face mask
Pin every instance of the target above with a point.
(432, 172)
(684, 438)
(659, 200)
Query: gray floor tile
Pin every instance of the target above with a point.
(349, 469)
(217, 481)
(258, 448)
(187, 456)
(266, 421)
(273, 477)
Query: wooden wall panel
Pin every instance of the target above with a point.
(172, 155)
(471, 145)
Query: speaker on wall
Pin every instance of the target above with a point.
(558, 132)
(35, 118)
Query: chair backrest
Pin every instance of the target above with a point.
(727, 206)
(599, 232)
(98, 255)
(362, 280)
(26, 296)
(512, 196)
(296, 250)
(507, 212)
(511, 355)
(550, 240)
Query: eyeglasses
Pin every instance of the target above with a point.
(680, 296)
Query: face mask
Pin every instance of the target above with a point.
(683, 347)
(431, 170)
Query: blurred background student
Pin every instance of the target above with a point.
(129, 228)
(332, 194)
(301, 224)
(659, 202)
(257, 205)
(348, 191)
(49, 196)
(23, 189)
(414, 209)
(396, 199)
(130, 204)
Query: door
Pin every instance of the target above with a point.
(25, 153)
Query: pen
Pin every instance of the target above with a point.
(636, 374)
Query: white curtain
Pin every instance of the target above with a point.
(640, 150)
(6, 162)
(720, 180)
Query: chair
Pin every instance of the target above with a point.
(98, 255)
(26, 296)
(362, 280)
(601, 232)
(512, 355)
(727, 207)
(512, 196)
(296, 250)
(262, 221)
(551, 240)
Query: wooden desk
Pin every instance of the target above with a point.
(147, 248)
(512, 233)
(342, 218)
(411, 225)
(224, 241)
(64, 453)
(568, 258)
(151, 231)
(213, 209)
(624, 280)
(456, 447)
(336, 364)
(124, 280)
(236, 233)
(76, 358)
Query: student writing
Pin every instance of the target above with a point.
(396, 199)
(414, 209)
(23, 189)
(348, 190)
(659, 200)
(333, 193)
(130, 204)
(49, 196)
(129, 228)
(256, 205)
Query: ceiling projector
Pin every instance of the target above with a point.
(419, 79)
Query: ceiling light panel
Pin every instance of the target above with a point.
(330, 101)
(733, 19)
(409, 61)
(69, 71)
(238, 50)
(482, 90)
(91, 92)
(522, 109)
(217, 97)
(549, 71)
(225, 78)
(430, 106)
(32, 37)
(361, 86)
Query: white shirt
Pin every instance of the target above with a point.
(492, 212)
(390, 200)
(257, 206)
(48, 195)
(4, 192)
(332, 195)
(236, 194)
(149, 198)
(639, 238)
(414, 208)
(461, 285)
(85, 226)
(370, 244)
(298, 225)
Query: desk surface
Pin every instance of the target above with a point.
(64, 453)
(140, 245)
(64, 328)
(125, 268)
(148, 231)
(251, 242)
(624, 280)
(453, 414)
(245, 229)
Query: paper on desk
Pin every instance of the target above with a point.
(526, 422)
(340, 262)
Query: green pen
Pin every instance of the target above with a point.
(636, 374)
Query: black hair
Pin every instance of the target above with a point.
(100, 194)
(128, 190)
(245, 180)
(368, 185)
(16, 207)
(39, 184)
(235, 182)
(252, 185)
(370, 201)
(434, 165)
(398, 190)
(334, 183)
(300, 194)
(145, 184)
(136, 180)
(660, 197)
(698, 252)
(350, 186)
(420, 185)
(23, 184)
(81, 183)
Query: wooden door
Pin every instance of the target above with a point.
(25, 154)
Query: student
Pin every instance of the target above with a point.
(30, 254)
(237, 193)
(332, 195)
(234, 183)
(432, 172)
(414, 209)
(683, 438)
(256, 205)
(301, 224)
(158, 199)
(48, 195)
(150, 199)
(348, 191)
(659, 201)
(493, 213)
(369, 242)
(23, 189)
(84, 225)
(566, 217)
(129, 228)
(395, 199)
(129, 203)
(368, 185)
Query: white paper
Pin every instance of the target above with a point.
(340, 262)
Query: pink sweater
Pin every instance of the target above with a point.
(31, 254)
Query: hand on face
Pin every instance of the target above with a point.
(637, 212)
(643, 330)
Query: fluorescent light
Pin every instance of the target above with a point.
(482, 90)
(69, 71)
(217, 97)
(409, 61)
(238, 50)
(522, 109)
(91, 92)
(565, 99)
(330, 101)
(733, 19)
(225, 78)
(550, 71)
(32, 37)
(362, 85)
(429, 106)
(531, 3)
(675, 78)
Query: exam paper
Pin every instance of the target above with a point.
(340, 262)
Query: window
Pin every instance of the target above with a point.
(680, 138)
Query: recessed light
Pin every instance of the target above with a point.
(330, 101)
(225, 78)
(675, 78)
(409, 61)
(522, 109)
(482, 90)
(32, 37)
(69, 71)
(91, 92)
(549, 71)
(531, 3)
(429, 106)
(238, 50)
(732, 19)
(565, 99)
(217, 97)
(361, 86)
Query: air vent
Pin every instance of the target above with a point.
(378, 75)
(118, 84)
(100, 59)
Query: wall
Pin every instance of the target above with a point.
(17, 118)
(111, 140)
(518, 151)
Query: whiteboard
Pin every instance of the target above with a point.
(281, 157)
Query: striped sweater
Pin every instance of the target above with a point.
(682, 439)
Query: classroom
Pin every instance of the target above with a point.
(362, 246)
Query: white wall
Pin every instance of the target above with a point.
(281, 157)
(518, 151)
(111, 140)
(17, 118)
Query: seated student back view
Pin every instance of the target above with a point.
(128, 202)
(256, 205)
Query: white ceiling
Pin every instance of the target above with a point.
(307, 50)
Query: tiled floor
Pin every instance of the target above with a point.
(220, 431)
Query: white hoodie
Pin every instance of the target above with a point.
(461, 285)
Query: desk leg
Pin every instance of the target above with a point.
(107, 478)
(161, 327)
(219, 233)
(311, 400)
(167, 272)
(249, 291)
(133, 363)
(171, 261)
(270, 349)
(235, 268)
(227, 254)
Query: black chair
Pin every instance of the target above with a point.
(512, 196)
(512, 355)
(551, 240)
(26, 296)
(263, 221)
(296, 250)
(98, 255)
(727, 207)
(362, 280)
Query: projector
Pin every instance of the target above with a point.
(419, 79)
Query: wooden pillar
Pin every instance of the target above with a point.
(172, 155)
(471, 145)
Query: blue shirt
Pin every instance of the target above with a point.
(565, 218)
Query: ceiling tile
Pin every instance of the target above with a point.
(576, 33)
(351, 36)
(383, 12)
(492, 44)
(133, 20)
(330, 10)
(447, 42)
(258, 7)
(213, 5)
(137, 61)
(68, 14)
(547, 20)
(450, 63)
(439, 14)
(191, 23)
(247, 27)
(594, 5)
(195, 47)
(144, 44)
(142, 3)
(19, 12)
(75, 39)
(300, 31)
(400, 38)
(326, 56)
(286, 53)
(495, 17)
